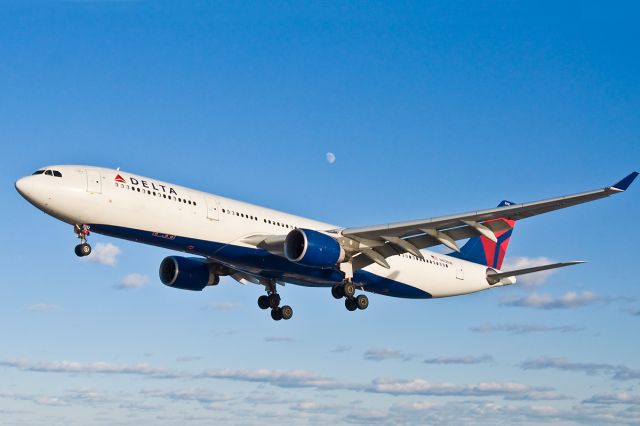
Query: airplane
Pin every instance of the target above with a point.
(253, 244)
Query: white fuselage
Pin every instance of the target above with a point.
(129, 206)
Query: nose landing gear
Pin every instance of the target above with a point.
(82, 232)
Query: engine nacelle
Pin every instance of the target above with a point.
(187, 273)
(313, 248)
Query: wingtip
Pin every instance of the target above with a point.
(624, 183)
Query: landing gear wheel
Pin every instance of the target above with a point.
(83, 250)
(276, 314)
(263, 302)
(286, 312)
(350, 304)
(337, 292)
(362, 302)
(349, 289)
(274, 300)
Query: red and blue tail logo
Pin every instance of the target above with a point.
(484, 251)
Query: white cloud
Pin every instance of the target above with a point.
(189, 358)
(280, 378)
(133, 280)
(280, 339)
(523, 328)
(480, 412)
(568, 300)
(203, 396)
(106, 254)
(426, 388)
(98, 367)
(221, 306)
(43, 307)
(382, 354)
(468, 359)
(614, 398)
(529, 280)
(617, 372)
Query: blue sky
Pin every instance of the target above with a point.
(429, 109)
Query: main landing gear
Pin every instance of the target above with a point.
(272, 300)
(82, 232)
(351, 301)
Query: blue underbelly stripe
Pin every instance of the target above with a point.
(260, 262)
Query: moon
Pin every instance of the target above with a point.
(331, 158)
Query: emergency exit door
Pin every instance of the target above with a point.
(459, 272)
(213, 209)
(94, 182)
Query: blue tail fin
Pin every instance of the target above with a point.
(484, 251)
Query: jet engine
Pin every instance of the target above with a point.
(187, 273)
(313, 248)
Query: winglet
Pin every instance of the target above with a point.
(625, 183)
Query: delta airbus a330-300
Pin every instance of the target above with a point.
(253, 244)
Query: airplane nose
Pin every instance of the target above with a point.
(24, 186)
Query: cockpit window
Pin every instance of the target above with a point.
(48, 173)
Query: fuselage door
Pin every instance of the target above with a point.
(459, 272)
(94, 182)
(213, 209)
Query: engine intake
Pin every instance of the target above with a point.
(313, 248)
(187, 273)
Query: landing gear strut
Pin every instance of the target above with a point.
(82, 232)
(272, 300)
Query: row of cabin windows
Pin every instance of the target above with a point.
(410, 256)
(242, 215)
(156, 194)
(251, 217)
(48, 173)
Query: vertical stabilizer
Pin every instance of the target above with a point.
(484, 251)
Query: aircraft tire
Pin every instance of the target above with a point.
(349, 289)
(350, 304)
(362, 302)
(274, 300)
(84, 249)
(337, 292)
(286, 312)
(276, 314)
(263, 302)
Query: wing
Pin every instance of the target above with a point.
(375, 243)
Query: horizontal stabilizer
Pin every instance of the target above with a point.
(494, 277)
